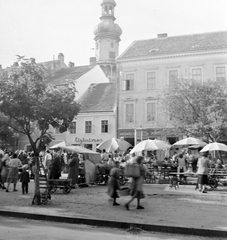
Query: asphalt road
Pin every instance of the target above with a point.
(23, 229)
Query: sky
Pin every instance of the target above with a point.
(42, 29)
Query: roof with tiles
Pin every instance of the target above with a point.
(164, 45)
(72, 73)
(99, 97)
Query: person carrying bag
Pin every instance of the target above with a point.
(137, 172)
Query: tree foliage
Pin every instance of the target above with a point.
(198, 109)
(29, 103)
(29, 106)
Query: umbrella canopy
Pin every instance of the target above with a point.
(113, 144)
(58, 145)
(215, 146)
(87, 153)
(150, 145)
(188, 141)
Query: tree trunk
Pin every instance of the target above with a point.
(36, 198)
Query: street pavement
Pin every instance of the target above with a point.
(182, 211)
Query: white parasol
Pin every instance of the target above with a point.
(113, 144)
(188, 141)
(150, 145)
(215, 146)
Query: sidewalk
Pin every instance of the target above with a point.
(184, 211)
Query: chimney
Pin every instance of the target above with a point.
(32, 60)
(62, 59)
(92, 61)
(71, 64)
(162, 35)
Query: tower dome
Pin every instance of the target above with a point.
(108, 27)
(109, 1)
(107, 37)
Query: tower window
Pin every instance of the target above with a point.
(112, 44)
(106, 10)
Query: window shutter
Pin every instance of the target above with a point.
(109, 128)
(132, 85)
(123, 85)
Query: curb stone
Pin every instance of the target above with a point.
(120, 225)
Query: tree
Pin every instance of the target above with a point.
(198, 109)
(28, 104)
(7, 135)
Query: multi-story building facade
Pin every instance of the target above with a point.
(148, 66)
(96, 122)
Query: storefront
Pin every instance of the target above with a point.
(89, 143)
(139, 134)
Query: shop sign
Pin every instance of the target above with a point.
(88, 140)
(126, 133)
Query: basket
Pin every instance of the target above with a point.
(124, 192)
(132, 170)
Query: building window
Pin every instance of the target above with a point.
(104, 126)
(72, 128)
(197, 74)
(221, 74)
(88, 126)
(128, 83)
(173, 76)
(151, 112)
(151, 80)
(129, 112)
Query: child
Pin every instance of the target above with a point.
(113, 183)
(24, 178)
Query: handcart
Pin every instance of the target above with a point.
(63, 184)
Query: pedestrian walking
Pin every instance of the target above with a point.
(113, 183)
(136, 187)
(24, 178)
(12, 177)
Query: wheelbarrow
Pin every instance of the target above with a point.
(63, 184)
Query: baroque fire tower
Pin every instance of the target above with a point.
(107, 38)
